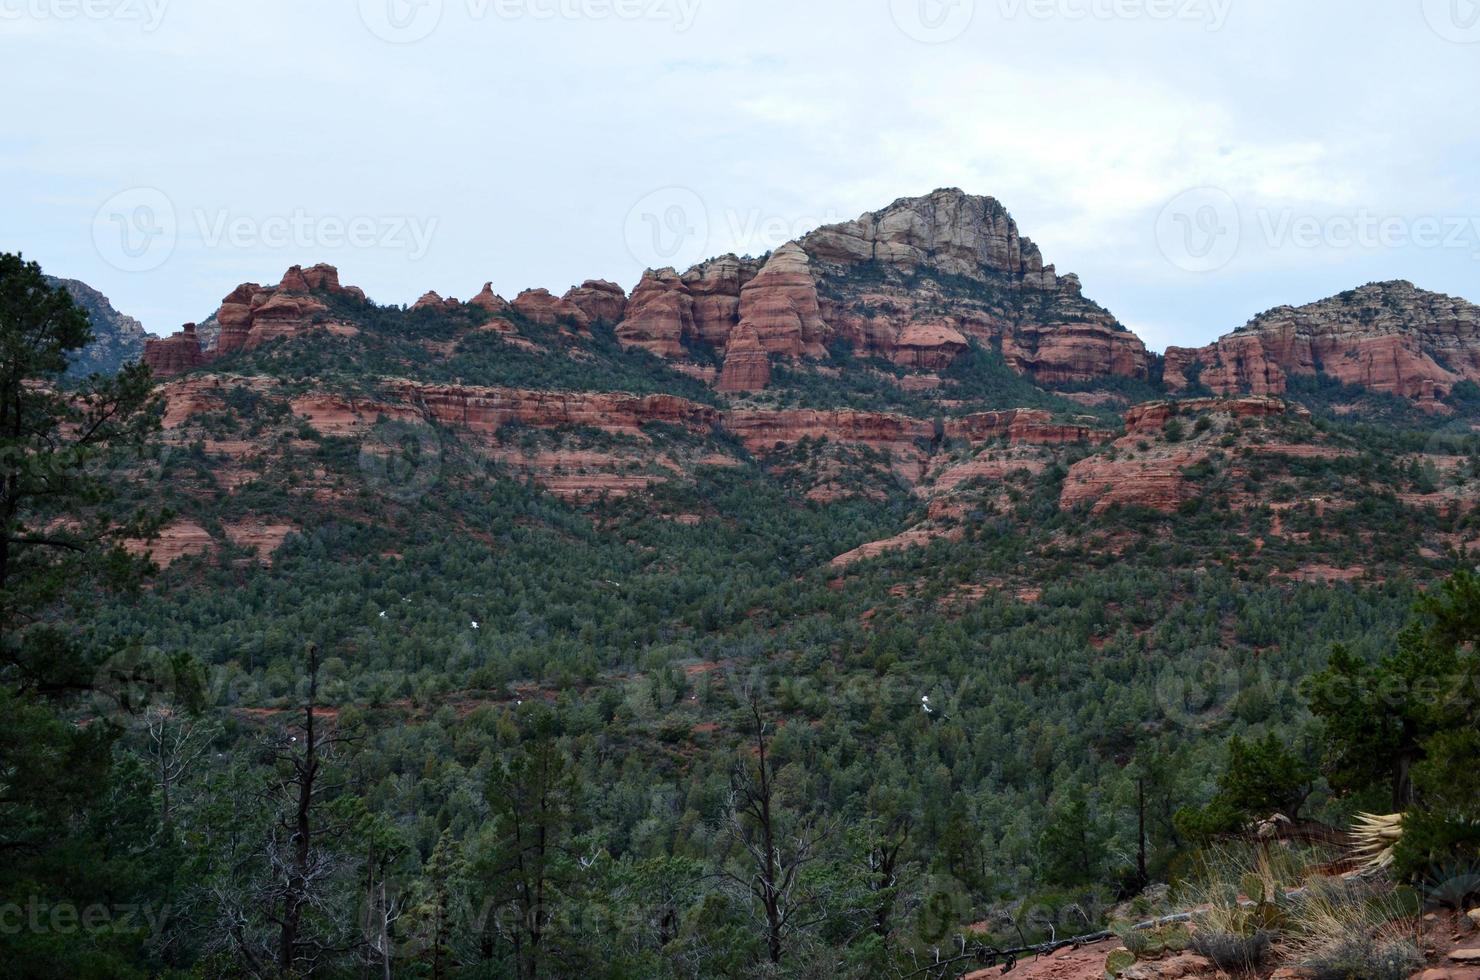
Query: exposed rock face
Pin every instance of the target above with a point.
(914, 284)
(715, 286)
(253, 315)
(484, 411)
(175, 354)
(434, 301)
(928, 346)
(177, 540)
(889, 273)
(1021, 426)
(781, 305)
(761, 430)
(1153, 416)
(489, 300)
(601, 301)
(660, 315)
(117, 339)
(541, 306)
(1388, 337)
(747, 365)
(947, 231)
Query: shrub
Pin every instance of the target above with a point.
(1354, 930)
(1366, 958)
(1233, 952)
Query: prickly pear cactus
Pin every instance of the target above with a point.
(1118, 962)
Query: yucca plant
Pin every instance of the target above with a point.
(1376, 837)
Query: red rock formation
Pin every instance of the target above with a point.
(948, 230)
(781, 304)
(251, 315)
(1059, 353)
(760, 430)
(185, 397)
(914, 283)
(1153, 416)
(175, 354)
(918, 537)
(601, 301)
(1021, 426)
(1388, 337)
(261, 536)
(541, 306)
(715, 286)
(434, 301)
(234, 318)
(660, 315)
(485, 410)
(747, 365)
(489, 300)
(177, 540)
(912, 256)
(928, 346)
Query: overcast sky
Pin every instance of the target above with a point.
(1195, 161)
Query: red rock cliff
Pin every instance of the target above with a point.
(175, 354)
(252, 315)
(1388, 337)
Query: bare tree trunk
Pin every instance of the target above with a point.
(306, 771)
(1141, 876)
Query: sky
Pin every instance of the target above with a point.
(1194, 161)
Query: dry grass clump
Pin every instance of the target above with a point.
(1355, 929)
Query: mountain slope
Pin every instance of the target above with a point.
(117, 339)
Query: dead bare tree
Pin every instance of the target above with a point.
(175, 743)
(883, 865)
(778, 846)
(301, 867)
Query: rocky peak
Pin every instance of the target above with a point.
(1389, 337)
(948, 231)
(489, 301)
(915, 283)
(660, 315)
(600, 301)
(117, 339)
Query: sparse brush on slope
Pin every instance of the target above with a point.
(1344, 929)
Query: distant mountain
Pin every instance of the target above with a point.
(924, 292)
(1387, 337)
(117, 339)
